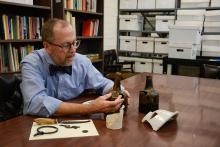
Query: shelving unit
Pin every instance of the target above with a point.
(89, 44)
(150, 13)
(20, 15)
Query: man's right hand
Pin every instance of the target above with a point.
(102, 104)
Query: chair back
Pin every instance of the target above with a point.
(11, 102)
(110, 57)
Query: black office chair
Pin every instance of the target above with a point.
(211, 71)
(112, 65)
(11, 102)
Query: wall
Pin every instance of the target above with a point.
(110, 24)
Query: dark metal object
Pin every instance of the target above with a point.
(40, 132)
(85, 131)
(69, 126)
(74, 121)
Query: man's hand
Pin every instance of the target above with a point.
(102, 104)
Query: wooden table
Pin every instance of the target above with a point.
(198, 123)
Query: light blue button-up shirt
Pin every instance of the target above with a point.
(43, 93)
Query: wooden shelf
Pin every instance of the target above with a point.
(84, 12)
(24, 40)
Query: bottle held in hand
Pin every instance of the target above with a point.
(117, 91)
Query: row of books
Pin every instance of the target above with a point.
(20, 27)
(11, 56)
(90, 27)
(82, 5)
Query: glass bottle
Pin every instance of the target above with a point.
(148, 98)
(117, 90)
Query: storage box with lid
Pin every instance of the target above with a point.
(165, 4)
(143, 65)
(184, 34)
(212, 26)
(182, 51)
(211, 45)
(127, 43)
(215, 3)
(161, 45)
(194, 3)
(212, 15)
(145, 44)
(128, 4)
(131, 22)
(158, 67)
(191, 15)
(189, 23)
(146, 4)
(211, 52)
(162, 22)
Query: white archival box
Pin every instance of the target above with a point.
(146, 4)
(127, 43)
(211, 52)
(212, 26)
(191, 15)
(161, 45)
(194, 3)
(182, 51)
(211, 45)
(189, 23)
(131, 22)
(184, 34)
(213, 15)
(211, 41)
(162, 22)
(158, 67)
(145, 44)
(143, 65)
(128, 4)
(165, 4)
(215, 3)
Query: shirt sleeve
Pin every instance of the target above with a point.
(34, 92)
(95, 80)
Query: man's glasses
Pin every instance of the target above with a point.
(67, 46)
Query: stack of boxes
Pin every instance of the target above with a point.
(211, 43)
(185, 35)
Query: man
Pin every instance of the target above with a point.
(46, 90)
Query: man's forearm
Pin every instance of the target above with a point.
(67, 108)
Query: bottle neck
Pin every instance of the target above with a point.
(149, 82)
(117, 84)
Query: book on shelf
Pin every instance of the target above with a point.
(81, 5)
(90, 27)
(20, 27)
(11, 56)
(69, 18)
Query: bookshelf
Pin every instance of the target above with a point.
(86, 13)
(20, 26)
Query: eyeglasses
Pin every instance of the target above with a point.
(67, 46)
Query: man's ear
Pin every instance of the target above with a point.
(47, 47)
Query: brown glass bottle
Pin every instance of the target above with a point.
(148, 98)
(116, 91)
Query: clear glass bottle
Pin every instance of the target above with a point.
(148, 98)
